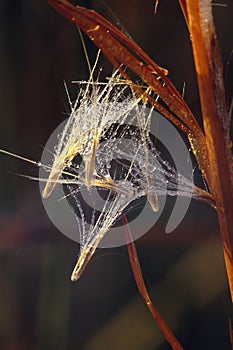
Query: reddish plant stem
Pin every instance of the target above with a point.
(121, 50)
(212, 97)
(184, 10)
(137, 272)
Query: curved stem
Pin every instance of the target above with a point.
(137, 272)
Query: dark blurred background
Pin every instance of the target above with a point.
(39, 307)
